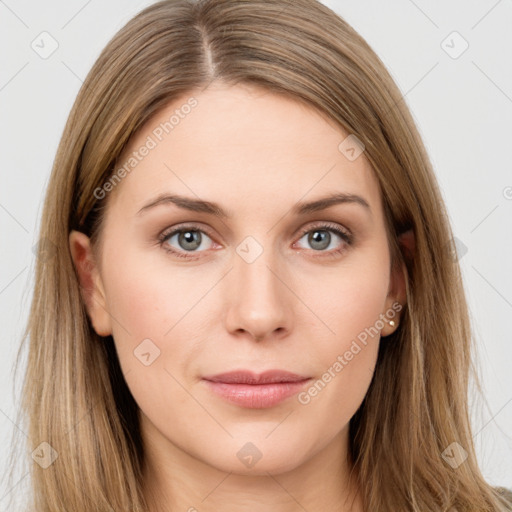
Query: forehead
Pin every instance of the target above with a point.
(241, 146)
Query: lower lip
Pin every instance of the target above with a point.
(256, 396)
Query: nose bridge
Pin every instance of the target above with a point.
(258, 301)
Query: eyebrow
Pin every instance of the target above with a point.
(300, 208)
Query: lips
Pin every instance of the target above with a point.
(256, 391)
(249, 377)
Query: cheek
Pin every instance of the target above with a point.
(157, 308)
(350, 297)
(350, 304)
(146, 295)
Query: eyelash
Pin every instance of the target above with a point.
(346, 236)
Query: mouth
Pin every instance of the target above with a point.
(256, 391)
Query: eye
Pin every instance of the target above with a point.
(319, 238)
(188, 238)
(191, 239)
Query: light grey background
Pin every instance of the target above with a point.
(463, 107)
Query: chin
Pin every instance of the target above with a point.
(258, 458)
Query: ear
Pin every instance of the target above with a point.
(397, 289)
(91, 285)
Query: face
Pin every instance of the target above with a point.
(270, 284)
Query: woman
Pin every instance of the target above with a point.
(205, 353)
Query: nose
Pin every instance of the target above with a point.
(259, 299)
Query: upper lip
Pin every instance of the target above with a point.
(249, 377)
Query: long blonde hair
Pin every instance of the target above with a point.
(74, 395)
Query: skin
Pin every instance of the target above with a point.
(294, 307)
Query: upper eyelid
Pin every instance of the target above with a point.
(326, 225)
(192, 227)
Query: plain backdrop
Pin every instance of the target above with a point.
(453, 63)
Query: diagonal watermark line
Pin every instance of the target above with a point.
(494, 416)
(419, 420)
(424, 14)
(14, 218)
(14, 76)
(492, 81)
(13, 487)
(198, 301)
(413, 87)
(487, 281)
(485, 15)
(12, 280)
(87, 86)
(188, 188)
(222, 481)
(306, 193)
(89, 411)
(83, 416)
(280, 423)
(3, 3)
(76, 14)
(300, 300)
(204, 87)
(85, 293)
(283, 9)
(287, 492)
(14, 423)
(484, 218)
(72, 71)
(87, 495)
(199, 403)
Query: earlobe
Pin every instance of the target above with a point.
(397, 297)
(91, 285)
(395, 301)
